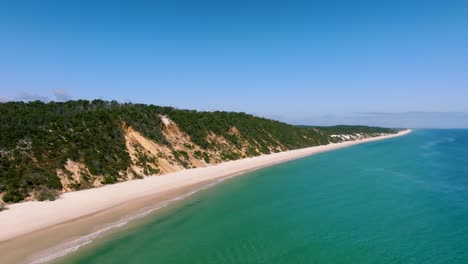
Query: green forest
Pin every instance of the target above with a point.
(38, 138)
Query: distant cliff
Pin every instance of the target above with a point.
(49, 148)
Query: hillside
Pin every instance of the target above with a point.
(49, 148)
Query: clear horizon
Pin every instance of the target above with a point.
(398, 64)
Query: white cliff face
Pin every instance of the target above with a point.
(355, 136)
(166, 120)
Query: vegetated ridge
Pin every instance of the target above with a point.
(50, 148)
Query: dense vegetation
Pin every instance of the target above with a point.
(344, 129)
(38, 138)
(258, 131)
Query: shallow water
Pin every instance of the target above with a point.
(403, 200)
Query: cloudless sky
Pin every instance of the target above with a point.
(303, 62)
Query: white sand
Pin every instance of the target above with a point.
(23, 218)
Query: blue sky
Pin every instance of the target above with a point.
(303, 62)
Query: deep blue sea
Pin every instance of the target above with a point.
(403, 200)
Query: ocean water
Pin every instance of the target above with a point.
(403, 200)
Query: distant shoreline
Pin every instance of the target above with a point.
(32, 227)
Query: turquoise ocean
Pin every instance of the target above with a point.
(402, 200)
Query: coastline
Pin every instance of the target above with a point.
(25, 225)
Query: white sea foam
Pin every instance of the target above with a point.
(60, 254)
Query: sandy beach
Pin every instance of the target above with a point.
(79, 213)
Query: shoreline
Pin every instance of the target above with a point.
(27, 227)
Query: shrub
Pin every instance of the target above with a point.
(47, 195)
(109, 180)
(53, 182)
(13, 196)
